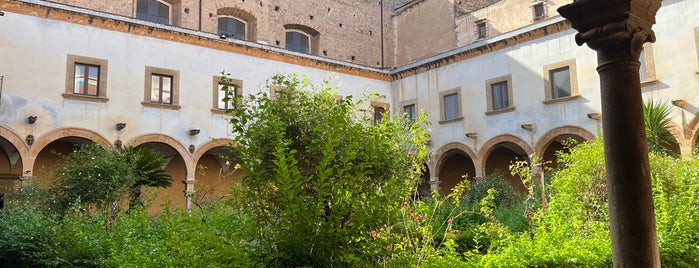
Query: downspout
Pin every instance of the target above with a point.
(200, 14)
(382, 22)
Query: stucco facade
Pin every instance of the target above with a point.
(436, 65)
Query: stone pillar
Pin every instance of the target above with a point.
(617, 29)
(189, 193)
(434, 183)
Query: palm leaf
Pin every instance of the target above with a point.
(657, 121)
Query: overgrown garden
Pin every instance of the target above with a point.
(323, 187)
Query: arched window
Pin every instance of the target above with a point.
(152, 10)
(297, 41)
(231, 27)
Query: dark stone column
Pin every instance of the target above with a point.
(617, 29)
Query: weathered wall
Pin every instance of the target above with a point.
(424, 28)
(358, 35)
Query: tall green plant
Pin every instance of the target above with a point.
(320, 178)
(148, 171)
(657, 121)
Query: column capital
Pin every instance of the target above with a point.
(605, 22)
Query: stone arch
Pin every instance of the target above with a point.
(57, 134)
(214, 172)
(16, 141)
(453, 161)
(552, 141)
(440, 155)
(498, 152)
(61, 141)
(488, 146)
(179, 165)
(549, 137)
(246, 17)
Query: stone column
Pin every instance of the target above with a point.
(617, 29)
(189, 193)
(434, 183)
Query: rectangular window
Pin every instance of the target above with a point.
(538, 11)
(481, 30)
(560, 82)
(378, 115)
(500, 98)
(161, 89)
(231, 94)
(409, 112)
(86, 79)
(451, 106)
(236, 88)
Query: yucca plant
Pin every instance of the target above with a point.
(657, 121)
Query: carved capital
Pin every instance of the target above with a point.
(610, 22)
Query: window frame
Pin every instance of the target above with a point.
(572, 72)
(380, 104)
(174, 91)
(534, 6)
(412, 102)
(481, 29)
(217, 93)
(308, 39)
(71, 61)
(170, 14)
(245, 26)
(442, 111)
(507, 79)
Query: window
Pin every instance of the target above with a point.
(153, 11)
(647, 69)
(499, 94)
(378, 115)
(298, 42)
(161, 88)
(560, 81)
(231, 27)
(481, 30)
(86, 79)
(220, 106)
(538, 11)
(450, 101)
(409, 111)
(379, 111)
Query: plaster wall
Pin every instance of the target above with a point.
(34, 69)
(676, 77)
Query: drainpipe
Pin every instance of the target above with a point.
(200, 14)
(382, 49)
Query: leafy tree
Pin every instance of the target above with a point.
(99, 178)
(657, 121)
(320, 180)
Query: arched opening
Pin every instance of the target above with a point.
(456, 166)
(560, 143)
(301, 38)
(216, 171)
(10, 168)
(501, 156)
(237, 23)
(176, 167)
(423, 187)
(50, 156)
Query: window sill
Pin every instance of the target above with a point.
(451, 120)
(160, 105)
(500, 111)
(85, 98)
(649, 82)
(218, 111)
(564, 99)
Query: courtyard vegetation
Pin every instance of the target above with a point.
(323, 187)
